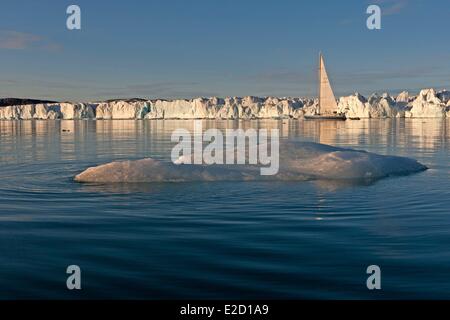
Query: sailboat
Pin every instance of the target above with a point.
(327, 108)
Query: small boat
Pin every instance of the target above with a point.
(354, 118)
(327, 108)
(336, 116)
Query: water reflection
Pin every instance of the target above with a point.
(129, 188)
(298, 234)
(334, 185)
(67, 140)
(328, 186)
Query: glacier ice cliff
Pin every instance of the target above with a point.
(427, 104)
(298, 161)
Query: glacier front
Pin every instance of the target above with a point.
(427, 104)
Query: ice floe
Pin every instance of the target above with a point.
(298, 161)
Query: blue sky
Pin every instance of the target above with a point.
(183, 49)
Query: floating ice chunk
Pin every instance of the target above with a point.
(321, 161)
(298, 161)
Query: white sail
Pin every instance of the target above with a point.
(327, 101)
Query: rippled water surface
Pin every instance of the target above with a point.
(221, 239)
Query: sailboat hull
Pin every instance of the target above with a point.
(339, 117)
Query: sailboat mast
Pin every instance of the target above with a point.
(319, 78)
(327, 107)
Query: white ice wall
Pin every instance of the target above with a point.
(428, 103)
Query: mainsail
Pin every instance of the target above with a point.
(327, 101)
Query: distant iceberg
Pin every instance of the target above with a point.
(298, 161)
(429, 103)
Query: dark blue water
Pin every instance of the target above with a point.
(220, 240)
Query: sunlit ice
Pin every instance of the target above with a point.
(236, 146)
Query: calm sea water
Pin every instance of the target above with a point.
(220, 240)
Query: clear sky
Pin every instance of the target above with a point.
(188, 48)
